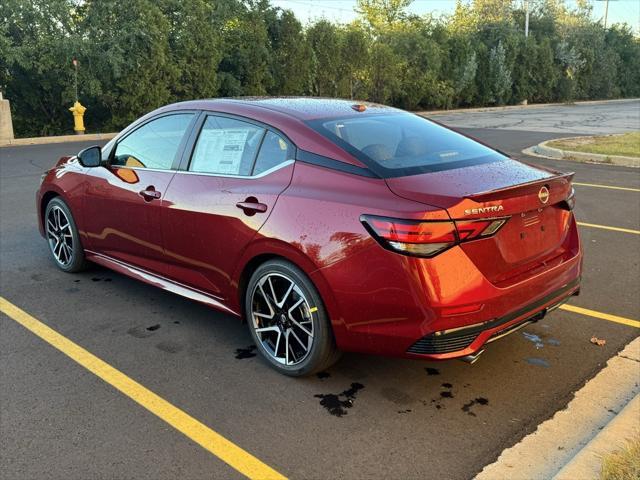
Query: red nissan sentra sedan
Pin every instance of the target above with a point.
(329, 226)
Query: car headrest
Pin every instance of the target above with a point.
(377, 152)
(412, 147)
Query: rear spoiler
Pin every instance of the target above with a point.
(552, 183)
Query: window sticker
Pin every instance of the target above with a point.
(220, 151)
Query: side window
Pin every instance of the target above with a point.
(273, 152)
(155, 144)
(226, 147)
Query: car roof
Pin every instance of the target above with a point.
(301, 108)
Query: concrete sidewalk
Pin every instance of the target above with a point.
(588, 462)
(523, 107)
(57, 139)
(569, 446)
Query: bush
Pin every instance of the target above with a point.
(136, 55)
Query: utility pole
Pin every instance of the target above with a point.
(526, 18)
(75, 66)
(606, 13)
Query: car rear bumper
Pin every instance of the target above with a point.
(469, 340)
(439, 308)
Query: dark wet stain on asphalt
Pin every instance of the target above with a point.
(337, 405)
(540, 340)
(537, 361)
(139, 332)
(76, 281)
(323, 375)
(153, 328)
(246, 352)
(432, 371)
(447, 393)
(169, 346)
(177, 322)
(405, 411)
(477, 401)
(95, 279)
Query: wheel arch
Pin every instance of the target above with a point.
(45, 198)
(273, 250)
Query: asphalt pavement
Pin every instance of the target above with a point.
(410, 419)
(590, 118)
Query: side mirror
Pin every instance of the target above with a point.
(90, 157)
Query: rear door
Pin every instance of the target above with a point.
(123, 201)
(220, 199)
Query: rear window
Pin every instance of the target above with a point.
(403, 144)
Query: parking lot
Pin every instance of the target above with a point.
(367, 417)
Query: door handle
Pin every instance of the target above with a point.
(251, 206)
(150, 193)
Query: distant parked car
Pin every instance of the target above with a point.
(327, 225)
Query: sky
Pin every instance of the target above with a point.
(620, 11)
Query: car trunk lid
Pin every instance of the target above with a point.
(534, 200)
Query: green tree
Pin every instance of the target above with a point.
(524, 68)
(136, 55)
(290, 58)
(244, 68)
(419, 58)
(546, 74)
(460, 67)
(571, 63)
(354, 59)
(499, 79)
(130, 59)
(324, 41)
(383, 15)
(620, 39)
(384, 73)
(38, 41)
(195, 47)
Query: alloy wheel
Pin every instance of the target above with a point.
(282, 319)
(60, 236)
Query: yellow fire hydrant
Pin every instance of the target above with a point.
(78, 117)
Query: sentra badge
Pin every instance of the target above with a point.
(489, 209)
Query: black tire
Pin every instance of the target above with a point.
(322, 353)
(72, 259)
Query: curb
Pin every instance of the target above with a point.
(516, 107)
(58, 139)
(545, 151)
(557, 442)
(588, 462)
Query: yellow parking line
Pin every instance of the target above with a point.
(595, 185)
(224, 449)
(605, 227)
(603, 316)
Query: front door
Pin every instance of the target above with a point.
(123, 201)
(236, 172)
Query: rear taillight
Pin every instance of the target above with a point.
(427, 238)
(472, 229)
